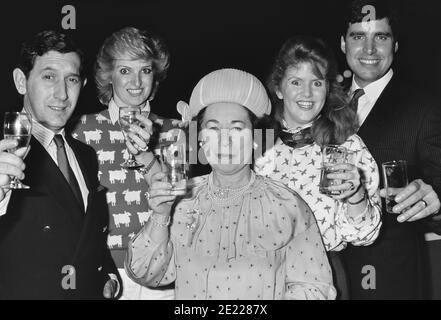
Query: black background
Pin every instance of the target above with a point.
(206, 35)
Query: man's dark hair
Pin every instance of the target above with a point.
(42, 43)
(359, 10)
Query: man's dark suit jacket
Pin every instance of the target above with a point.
(404, 124)
(45, 229)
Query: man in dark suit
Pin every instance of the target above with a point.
(53, 235)
(397, 123)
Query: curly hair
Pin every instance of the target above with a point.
(337, 120)
(139, 44)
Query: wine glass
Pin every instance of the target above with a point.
(18, 126)
(127, 116)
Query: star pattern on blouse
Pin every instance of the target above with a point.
(302, 174)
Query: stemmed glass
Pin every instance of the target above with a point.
(127, 117)
(18, 126)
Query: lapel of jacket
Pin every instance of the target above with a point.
(42, 174)
(381, 114)
(92, 215)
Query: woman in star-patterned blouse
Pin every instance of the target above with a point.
(236, 235)
(312, 111)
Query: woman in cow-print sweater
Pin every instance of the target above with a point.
(130, 65)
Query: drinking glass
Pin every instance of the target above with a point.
(18, 126)
(332, 155)
(173, 157)
(127, 117)
(394, 177)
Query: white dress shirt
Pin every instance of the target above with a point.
(371, 94)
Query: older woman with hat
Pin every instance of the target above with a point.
(235, 235)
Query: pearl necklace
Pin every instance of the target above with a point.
(223, 195)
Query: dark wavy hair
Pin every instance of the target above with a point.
(357, 11)
(42, 43)
(337, 121)
(139, 44)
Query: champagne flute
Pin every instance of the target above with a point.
(127, 117)
(17, 126)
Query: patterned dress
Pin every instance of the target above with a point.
(263, 245)
(299, 169)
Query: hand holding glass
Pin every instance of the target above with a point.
(173, 157)
(395, 179)
(332, 155)
(18, 126)
(127, 117)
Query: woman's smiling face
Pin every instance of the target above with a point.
(132, 81)
(303, 94)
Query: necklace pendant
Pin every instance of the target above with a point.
(193, 219)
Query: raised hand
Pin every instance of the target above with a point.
(11, 164)
(420, 199)
(349, 176)
(139, 135)
(160, 196)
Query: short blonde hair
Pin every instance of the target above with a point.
(137, 43)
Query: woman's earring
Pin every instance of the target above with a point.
(200, 143)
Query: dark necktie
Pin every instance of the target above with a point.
(63, 164)
(354, 101)
(297, 139)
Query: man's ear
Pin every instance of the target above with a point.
(396, 46)
(19, 81)
(343, 44)
(84, 82)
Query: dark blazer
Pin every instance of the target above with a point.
(45, 229)
(404, 124)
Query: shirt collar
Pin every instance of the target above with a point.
(286, 127)
(114, 110)
(373, 90)
(43, 134)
